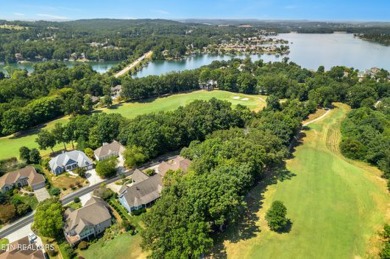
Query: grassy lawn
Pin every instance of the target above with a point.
(9, 146)
(3, 243)
(337, 206)
(123, 246)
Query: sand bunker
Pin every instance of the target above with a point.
(236, 97)
(244, 99)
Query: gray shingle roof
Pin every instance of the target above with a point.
(106, 150)
(144, 192)
(94, 212)
(68, 158)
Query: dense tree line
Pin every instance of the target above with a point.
(366, 135)
(109, 39)
(52, 90)
(197, 205)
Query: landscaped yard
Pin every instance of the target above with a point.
(9, 146)
(124, 246)
(337, 206)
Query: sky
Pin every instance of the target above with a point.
(325, 10)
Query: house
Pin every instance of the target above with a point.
(22, 177)
(68, 161)
(175, 164)
(109, 150)
(138, 176)
(22, 249)
(116, 91)
(86, 222)
(141, 194)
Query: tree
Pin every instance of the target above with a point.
(59, 134)
(24, 154)
(107, 101)
(7, 212)
(88, 104)
(35, 156)
(55, 191)
(134, 156)
(276, 216)
(48, 218)
(46, 140)
(106, 168)
(273, 103)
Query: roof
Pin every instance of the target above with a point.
(143, 192)
(94, 212)
(26, 172)
(108, 149)
(175, 164)
(68, 158)
(22, 249)
(138, 176)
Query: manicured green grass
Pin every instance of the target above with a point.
(172, 102)
(9, 146)
(123, 246)
(337, 206)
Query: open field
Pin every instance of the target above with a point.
(9, 146)
(337, 206)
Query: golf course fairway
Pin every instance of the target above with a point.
(337, 206)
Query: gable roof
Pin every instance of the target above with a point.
(26, 172)
(143, 192)
(22, 249)
(94, 212)
(175, 164)
(68, 158)
(138, 176)
(108, 149)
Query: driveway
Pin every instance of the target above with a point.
(42, 194)
(93, 177)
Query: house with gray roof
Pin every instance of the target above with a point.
(68, 161)
(141, 194)
(22, 177)
(109, 150)
(88, 221)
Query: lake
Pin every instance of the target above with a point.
(307, 50)
(100, 67)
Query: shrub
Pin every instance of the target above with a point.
(276, 216)
(22, 209)
(83, 245)
(80, 172)
(150, 172)
(52, 252)
(89, 152)
(76, 200)
(55, 191)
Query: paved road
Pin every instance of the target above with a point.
(135, 63)
(69, 198)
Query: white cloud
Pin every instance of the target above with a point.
(52, 17)
(18, 14)
(160, 11)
